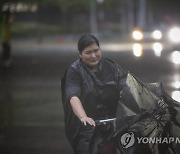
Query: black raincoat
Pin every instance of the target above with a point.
(98, 92)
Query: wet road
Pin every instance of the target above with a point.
(31, 114)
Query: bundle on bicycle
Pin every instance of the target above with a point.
(147, 121)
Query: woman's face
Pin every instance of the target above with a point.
(91, 55)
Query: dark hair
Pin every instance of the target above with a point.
(85, 41)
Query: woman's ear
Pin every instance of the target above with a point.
(80, 55)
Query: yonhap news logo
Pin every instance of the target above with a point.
(128, 139)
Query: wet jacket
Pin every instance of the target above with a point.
(98, 92)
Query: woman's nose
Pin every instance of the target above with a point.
(93, 55)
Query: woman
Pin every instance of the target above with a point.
(90, 91)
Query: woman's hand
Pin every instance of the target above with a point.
(80, 112)
(88, 120)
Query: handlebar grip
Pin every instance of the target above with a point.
(105, 121)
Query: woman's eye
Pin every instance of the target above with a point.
(88, 52)
(96, 50)
(92, 51)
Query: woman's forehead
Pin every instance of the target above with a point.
(91, 47)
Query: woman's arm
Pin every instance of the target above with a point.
(80, 112)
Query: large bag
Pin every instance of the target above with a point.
(148, 119)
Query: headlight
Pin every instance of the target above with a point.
(157, 35)
(137, 35)
(174, 34)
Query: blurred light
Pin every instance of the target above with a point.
(157, 47)
(176, 84)
(157, 34)
(176, 57)
(137, 35)
(137, 49)
(174, 34)
(176, 81)
(100, 1)
(176, 95)
(20, 7)
(34, 8)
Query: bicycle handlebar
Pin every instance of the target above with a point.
(105, 121)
